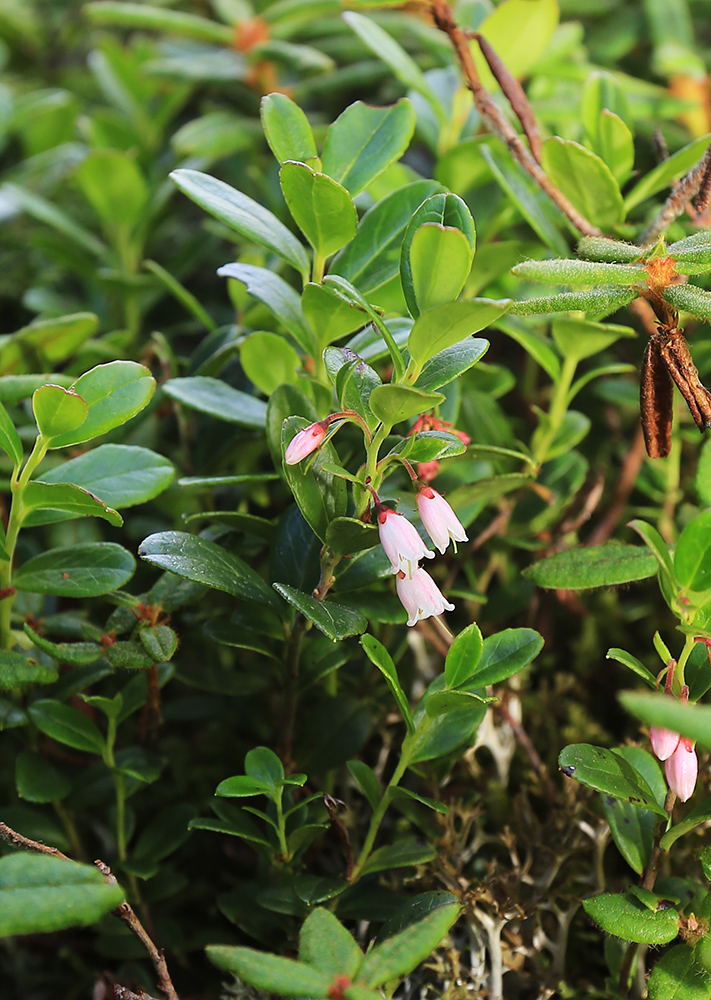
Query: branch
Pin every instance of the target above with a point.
(497, 123)
(687, 189)
(124, 911)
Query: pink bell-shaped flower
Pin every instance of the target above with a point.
(420, 596)
(305, 442)
(403, 545)
(664, 741)
(682, 769)
(440, 521)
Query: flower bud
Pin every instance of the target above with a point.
(305, 442)
(420, 596)
(664, 741)
(682, 769)
(426, 471)
(403, 545)
(440, 521)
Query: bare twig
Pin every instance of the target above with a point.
(515, 95)
(496, 121)
(124, 911)
(687, 189)
(121, 993)
(631, 464)
(704, 198)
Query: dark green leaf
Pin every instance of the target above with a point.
(41, 500)
(596, 566)
(367, 782)
(334, 620)
(87, 570)
(216, 398)
(693, 721)
(37, 780)
(504, 654)
(66, 725)
(17, 671)
(378, 654)
(403, 854)
(627, 918)
(449, 364)
(608, 772)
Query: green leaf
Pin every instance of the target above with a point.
(693, 721)
(17, 671)
(596, 566)
(87, 570)
(578, 338)
(277, 296)
(607, 772)
(320, 495)
(392, 403)
(66, 725)
(37, 780)
(159, 641)
(443, 702)
(615, 145)
(378, 654)
(599, 302)
(372, 260)
(66, 498)
(122, 475)
(692, 255)
(692, 555)
(114, 393)
(40, 894)
(322, 209)
(346, 535)
(429, 446)
(282, 976)
(585, 179)
(700, 814)
(364, 776)
(217, 399)
(173, 22)
(262, 764)
(241, 213)
(334, 620)
(325, 945)
(449, 364)
(241, 787)
(109, 178)
(690, 299)
(580, 272)
(329, 315)
(678, 975)
(353, 379)
(401, 953)
(519, 33)
(626, 917)
(203, 561)
(58, 411)
(635, 665)
(665, 173)
(532, 203)
(444, 326)
(403, 854)
(268, 361)
(363, 142)
(504, 654)
(612, 251)
(180, 293)
(463, 656)
(44, 211)
(384, 47)
(287, 129)
(406, 793)
(632, 830)
(9, 438)
(439, 279)
(79, 654)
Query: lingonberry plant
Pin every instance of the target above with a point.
(312, 733)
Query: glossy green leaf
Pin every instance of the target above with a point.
(378, 654)
(596, 566)
(585, 179)
(334, 620)
(394, 403)
(679, 975)
(607, 772)
(40, 894)
(322, 208)
(287, 129)
(402, 854)
(363, 142)
(693, 721)
(66, 498)
(632, 830)
(202, 561)
(58, 411)
(401, 953)
(615, 145)
(114, 393)
(247, 217)
(276, 295)
(325, 945)
(463, 656)
(633, 664)
(446, 325)
(271, 973)
(9, 438)
(504, 654)
(578, 339)
(18, 671)
(656, 545)
(321, 496)
(627, 918)
(700, 814)
(217, 399)
(241, 786)
(87, 570)
(66, 725)
(449, 364)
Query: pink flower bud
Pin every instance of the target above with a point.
(427, 471)
(306, 441)
(664, 741)
(420, 596)
(440, 521)
(403, 545)
(682, 769)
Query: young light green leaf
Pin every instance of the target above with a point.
(40, 894)
(109, 178)
(364, 140)
(9, 438)
(519, 34)
(322, 209)
(394, 403)
(446, 325)
(268, 360)
(665, 173)
(248, 217)
(585, 179)
(58, 411)
(287, 129)
(329, 315)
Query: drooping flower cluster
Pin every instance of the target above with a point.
(681, 765)
(419, 594)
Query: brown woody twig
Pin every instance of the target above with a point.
(124, 911)
(496, 121)
(682, 194)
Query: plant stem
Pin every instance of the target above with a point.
(318, 267)
(556, 412)
(281, 832)
(681, 662)
(371, 466)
